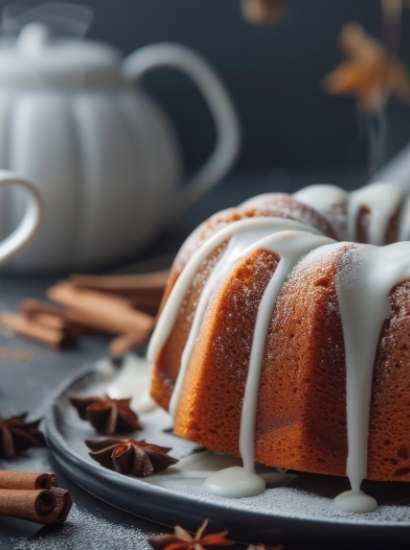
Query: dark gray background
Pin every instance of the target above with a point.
(272, 73)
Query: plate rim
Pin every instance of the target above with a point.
(190, 511)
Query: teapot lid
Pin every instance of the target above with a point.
(36, 59)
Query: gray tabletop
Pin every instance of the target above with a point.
(92, 524)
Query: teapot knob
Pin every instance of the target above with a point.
(33, 38)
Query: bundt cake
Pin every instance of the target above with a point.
(284, 336)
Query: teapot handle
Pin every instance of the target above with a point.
(227, 125)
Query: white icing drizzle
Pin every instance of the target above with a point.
(174, 302)
(363, 287)
(383, 200)
(242, 243)
(238, 482)
(132, 381)
(290, 246)
(322, 196)
(331, 202)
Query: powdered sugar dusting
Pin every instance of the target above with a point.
(86, 530)
(293, 503)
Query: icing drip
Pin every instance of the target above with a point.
(133, 382)
(383, 200)
(363, 287)
(355, 501)
(235, 482)
(290, 246)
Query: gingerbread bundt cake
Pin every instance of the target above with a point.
(284, 336)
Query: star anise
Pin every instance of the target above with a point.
(370, 73)
(16, 435)
(130, 457)
(182, 540)
(108, 416)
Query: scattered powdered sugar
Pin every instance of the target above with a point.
(86, 530)
(289, 502)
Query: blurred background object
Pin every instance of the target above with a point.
(76, 121)
(369, 73)
(272, 72)
(263, 12)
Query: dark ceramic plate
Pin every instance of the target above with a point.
(175, 496)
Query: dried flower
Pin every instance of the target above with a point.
(130, 457)
(262, 12)
(16, 435)
(369, 74)
(108, 416)
(182, 540)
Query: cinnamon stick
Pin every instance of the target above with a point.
(32, 505)
(28, 327)
(27, 480)
(33, 496)
(124, 343)
(49, 320)
(115, 283)
(39, 506)
(110, 313)
(144, 291)
(44, 313)
(145, 300)
(63, 505)
(30, 306)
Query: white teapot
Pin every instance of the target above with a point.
(104, 156)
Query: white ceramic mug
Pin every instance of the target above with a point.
(31, 221)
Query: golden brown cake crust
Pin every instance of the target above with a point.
(301, 416)
(273, 205)
(301, 420)
(301, 411)
(389, 441)
(166, 367)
